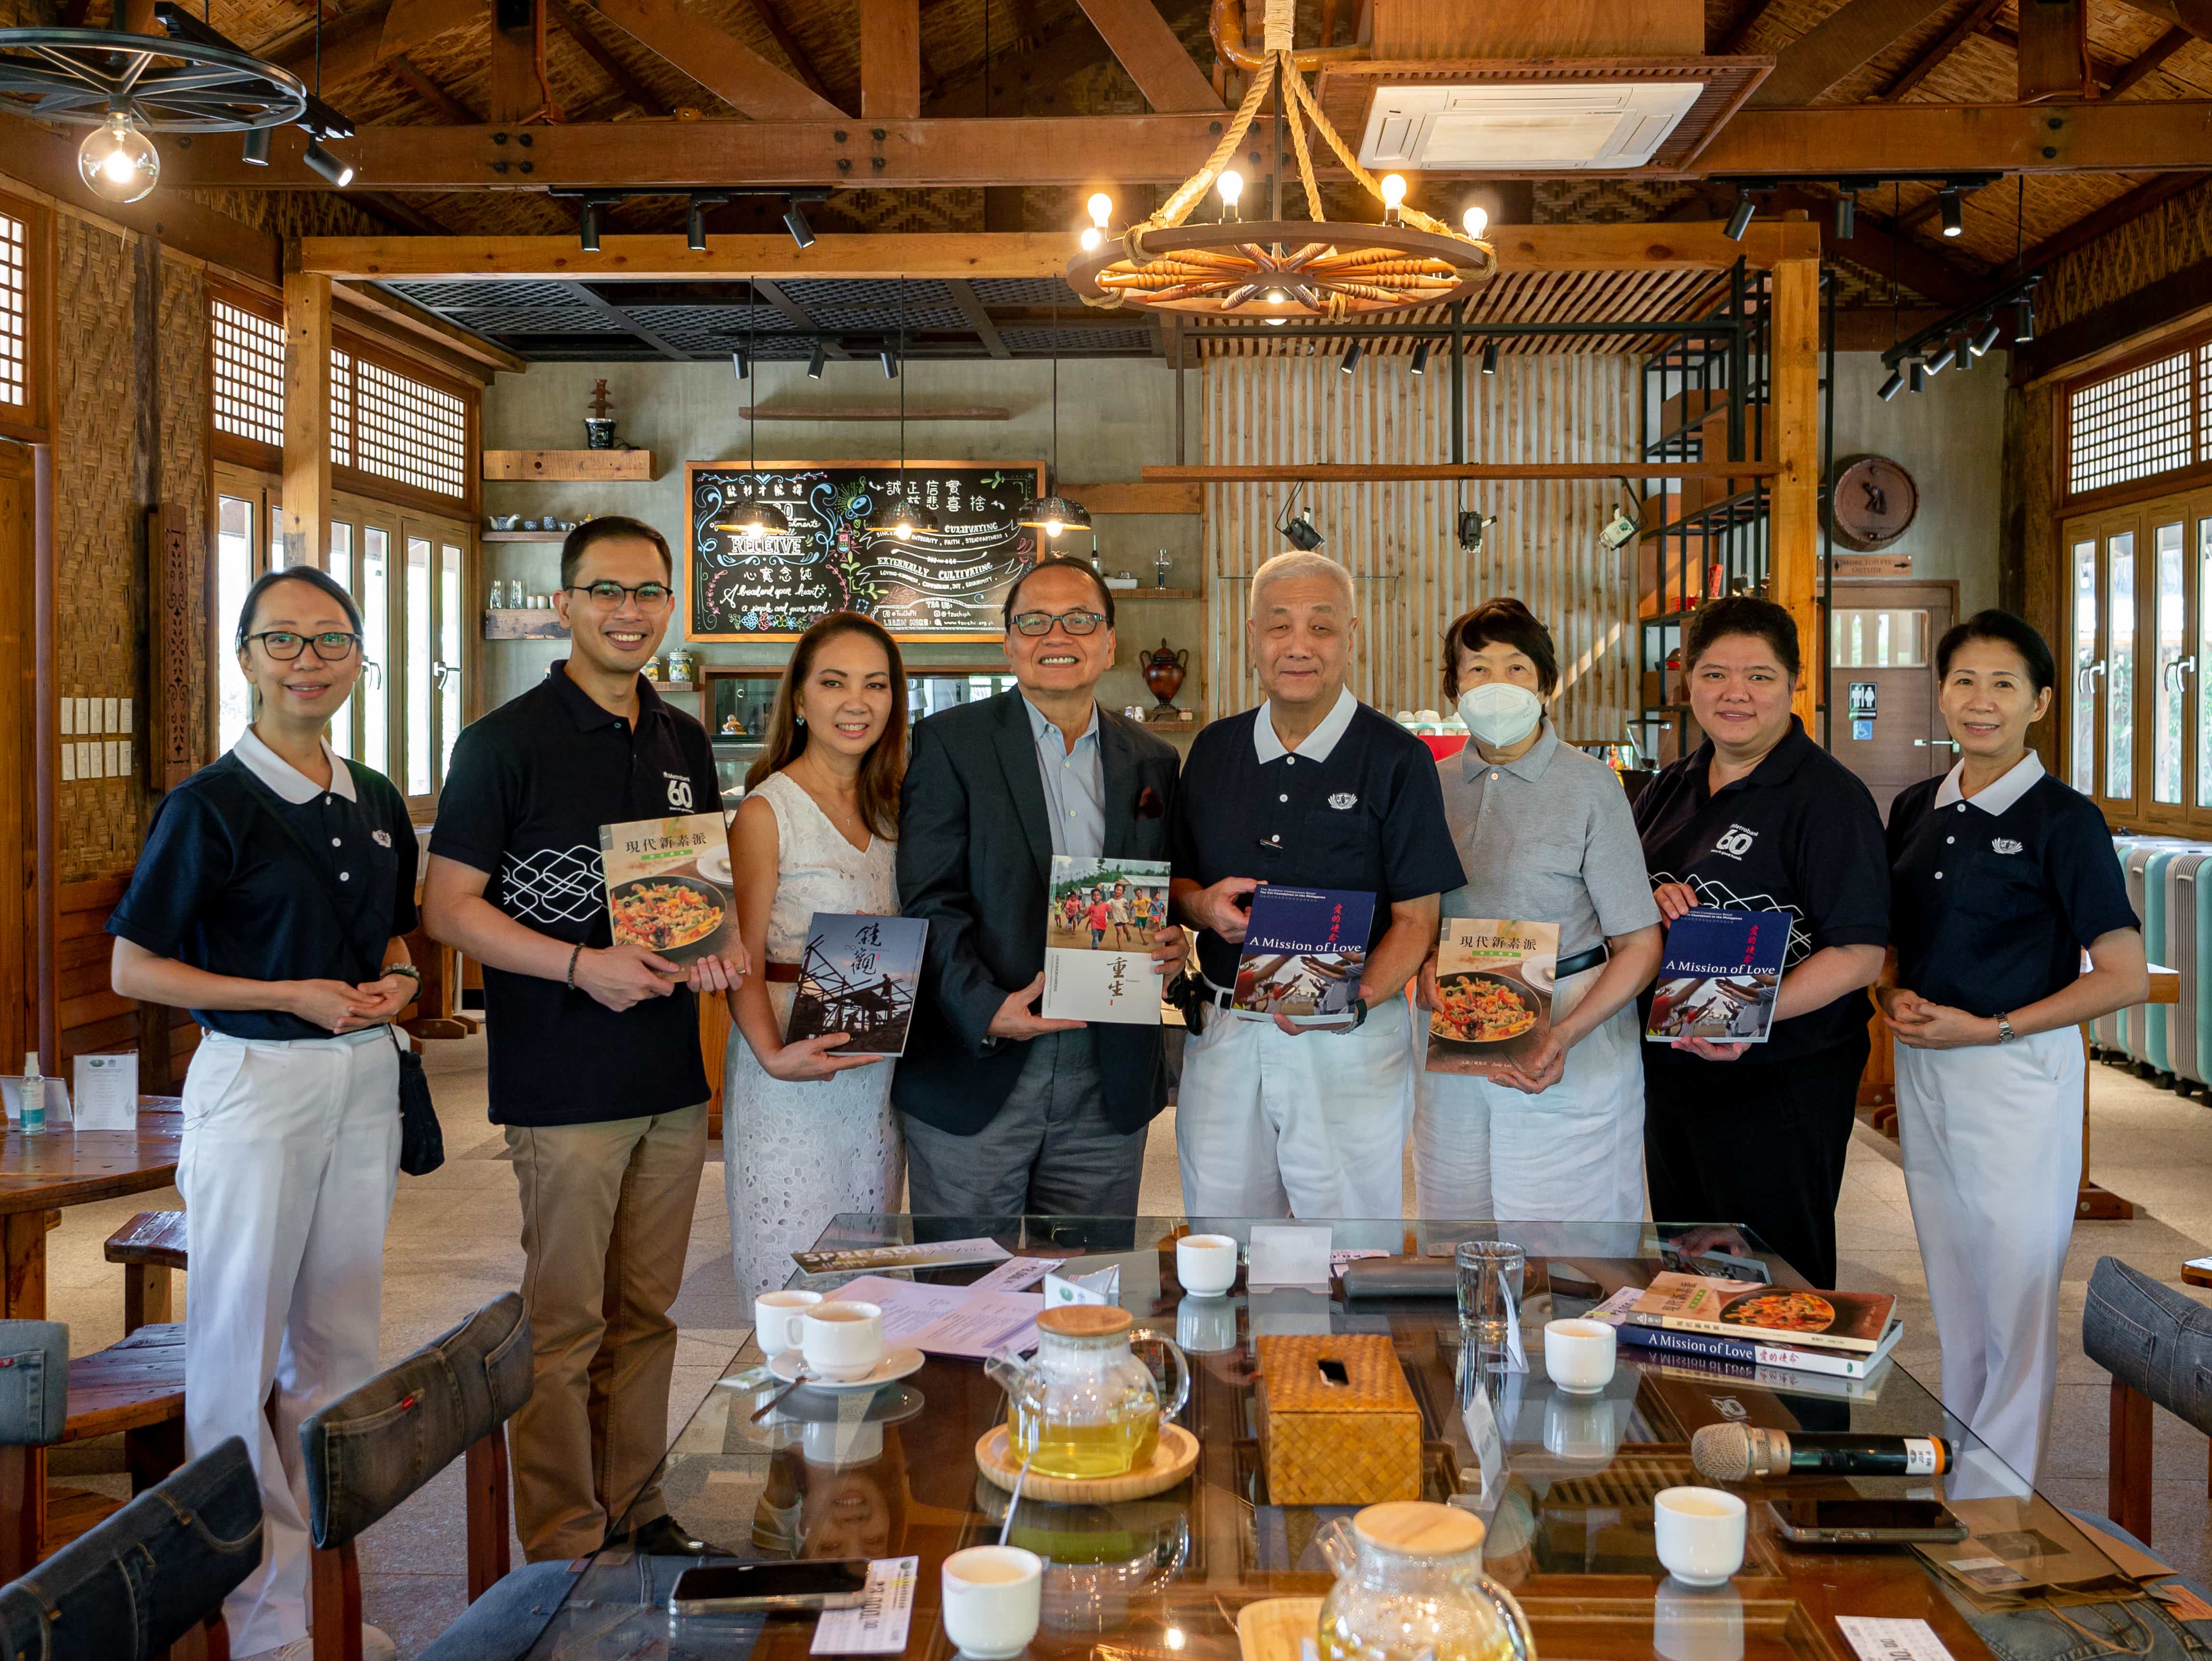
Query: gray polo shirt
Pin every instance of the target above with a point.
(1548, 838)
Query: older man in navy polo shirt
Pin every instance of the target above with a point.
(1312, 790)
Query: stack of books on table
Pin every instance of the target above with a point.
(1844, 1334)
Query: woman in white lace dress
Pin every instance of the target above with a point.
(807, 1133)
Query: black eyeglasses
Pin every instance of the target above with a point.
(1040, 623)
(608, 595)
(283, 645)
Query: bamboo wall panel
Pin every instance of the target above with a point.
(1398, 541)
(2155, 243)
(187, 402)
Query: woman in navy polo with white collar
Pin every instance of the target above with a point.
(2002, 877)
(270, 900)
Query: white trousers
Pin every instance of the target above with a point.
(1269, 1124)
(1573, 1155)
(1992, 1143)
(291, 1151)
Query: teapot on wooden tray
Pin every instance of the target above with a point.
(1085, 1406)
(1409, 1583)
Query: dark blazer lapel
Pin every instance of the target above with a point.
(1117, 759)
(1017, 759)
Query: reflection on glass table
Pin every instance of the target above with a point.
(1563, 1482)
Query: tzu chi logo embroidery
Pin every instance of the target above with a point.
(1735, 841)
(1344, 801)
(381, 838)
(679, 792)
(2005, 845)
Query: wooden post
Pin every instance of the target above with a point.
(306, 417)
(890, 59)
(1794, 543)
(485, 1471)
(2128, 1461)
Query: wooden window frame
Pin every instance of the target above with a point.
(33, 420)
(2172, 481)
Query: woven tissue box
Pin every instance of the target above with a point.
(1338, 1426)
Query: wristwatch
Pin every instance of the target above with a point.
(2005, 1034)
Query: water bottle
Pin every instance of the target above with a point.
(34, 1097)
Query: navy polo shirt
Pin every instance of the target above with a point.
(527, 790)
(1997, 894)
(221, 886)
(1357, 807)
(1799, 833)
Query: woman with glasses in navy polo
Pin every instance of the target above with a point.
(271, 899)
(2003, 877)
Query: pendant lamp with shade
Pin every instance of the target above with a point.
(756, 517)
(1052, 512)
(900, 516)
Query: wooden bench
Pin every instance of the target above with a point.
(149, 1246)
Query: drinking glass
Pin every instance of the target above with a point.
(1490, 1276)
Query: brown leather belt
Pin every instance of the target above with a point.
(784, 974)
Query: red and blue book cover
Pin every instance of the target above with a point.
(1718, 980)
(1304, 950)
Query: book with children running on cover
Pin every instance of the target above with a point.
(1304, 950)
(858, 978)
(1100, 918)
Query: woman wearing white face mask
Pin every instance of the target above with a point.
(1546, 835)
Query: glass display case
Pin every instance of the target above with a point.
(738, 703)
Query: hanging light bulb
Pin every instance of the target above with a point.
(1102, 209)
(117, 161)
(1476, 221)
(1232, 185)
(1394, 195)
(1091, 238)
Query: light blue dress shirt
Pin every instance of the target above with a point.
(1074, 785)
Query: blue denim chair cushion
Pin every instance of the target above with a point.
(2151, 1338)
(374, 1446)
(503, 1623)
(129, 1588)
(33, 1382)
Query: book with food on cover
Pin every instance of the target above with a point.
(1743, 1351)
(668, 885)
(1493, 993)
(1100, 917)
(1719, 978)
(1303, 952)
(1853, 1321)
(858, 978)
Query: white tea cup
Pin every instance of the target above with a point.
(1578, 1356)
(1206, 1264)
(992, 1598)
(842, 1340)
(777, 1319)
(1699, 1534)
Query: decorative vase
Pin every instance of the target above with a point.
(598, 432)
(1164, 672)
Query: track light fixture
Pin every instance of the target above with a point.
(1954, 342)
(1891, 387)
(1941, 361)
(1962, 354)
(588, 228)
(332, 171)
(1947, 205)
(814, 360)
(1919, 378)
(1739, 219)
(794, 221)
(1297, 529)
(889, 358)
(256, 152)
(1847, 213)
(1987, 337)
(2023, 322)
(741, 363)
(1350, 361)
(1421, 357)
(694, 221)
(1490, 355)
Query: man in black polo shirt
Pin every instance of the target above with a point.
(595, 1064)
(1312, 789)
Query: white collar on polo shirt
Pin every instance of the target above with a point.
(286, 779)
(1996, 797)
(1317, 744)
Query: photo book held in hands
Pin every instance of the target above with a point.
(1720, 976)
(1304, 950)
(1100, 918)
(858, 978)
(668, 885)
(1494, 979)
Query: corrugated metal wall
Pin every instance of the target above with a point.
(1397, 539)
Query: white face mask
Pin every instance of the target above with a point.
(1499, 714)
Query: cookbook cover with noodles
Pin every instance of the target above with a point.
(668, 885)
(1100, 917)
(858, 978)
(1744, 1309)
(1303, 952)
(1494, 993)
(1719, 978)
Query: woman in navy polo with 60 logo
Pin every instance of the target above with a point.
(2003, 877)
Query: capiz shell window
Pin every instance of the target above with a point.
(14, 310)
(249, 374)
(408, 432)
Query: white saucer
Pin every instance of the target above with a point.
(895, 1364)
(714, 865)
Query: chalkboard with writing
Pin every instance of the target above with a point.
(947, 584)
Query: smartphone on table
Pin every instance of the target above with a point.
(778, 1587)
(1865, 1522)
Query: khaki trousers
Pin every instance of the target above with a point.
(606, 1216)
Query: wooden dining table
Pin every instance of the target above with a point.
(42, 1176)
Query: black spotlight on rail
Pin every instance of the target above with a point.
(1350, 361)
(256, 153)
(886, 355)
(694, 226)
(1490, 355)
(1739, 219)
(1421, 357)
(794, 221)
(1944, 356)
(1919, 379)
(332, 171)
(814, 360)
(1847, 213)
(1986, 337)
(1891, 387)
(742, 364)
(1296, 529)
(2023, 322)
(588, 228)
(1947, 204)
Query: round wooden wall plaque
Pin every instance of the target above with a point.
(1874, 501)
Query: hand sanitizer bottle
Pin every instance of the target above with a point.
(34, 1097)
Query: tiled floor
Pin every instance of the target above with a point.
(453, 1246)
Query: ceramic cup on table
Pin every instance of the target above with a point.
(1206, 1264)
(777, 1319)
(992, 1598)
(1699, 1534)
(842, 1340)
(1578, 1356)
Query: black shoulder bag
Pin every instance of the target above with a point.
(421, 1142)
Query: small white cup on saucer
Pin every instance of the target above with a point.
(842, 1340)
(1578, 1356)
(777, 1318)
(1699, 1534)
(1206, 1264)
(992, 1598)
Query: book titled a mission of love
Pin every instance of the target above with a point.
(1720, 977)
(1856, 1322)
(1305, 949)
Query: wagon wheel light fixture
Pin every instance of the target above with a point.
(1273, 270)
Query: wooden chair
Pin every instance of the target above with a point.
(148, 1247)
(2157, 1345)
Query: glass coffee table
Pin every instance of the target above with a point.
(1568, 1507)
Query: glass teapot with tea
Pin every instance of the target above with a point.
(1084, 1406)
(1409, 1584)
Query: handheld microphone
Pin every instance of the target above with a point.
(1736, 1453)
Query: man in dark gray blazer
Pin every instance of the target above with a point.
(1006, 1112)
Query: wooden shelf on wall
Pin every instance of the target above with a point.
(1123, 596)
(1145, 498)
(503, 623)
(549, 538)
(568, 466)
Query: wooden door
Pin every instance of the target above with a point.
(1882, 719)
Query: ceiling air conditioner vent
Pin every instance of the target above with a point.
(1551, 126)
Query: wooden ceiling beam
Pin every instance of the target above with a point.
(356, 42)
(765, 11)
(2195, 15)
(450, 109)
(377, 311)
(610, 65)
(971, 307)
(1144, 46)
(2137, 137)
(1972, 22)
(1838, 48)
(2152, 58)
(718, 61)
(891, 60)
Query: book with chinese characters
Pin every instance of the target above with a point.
(1856, 1322)
(1494, 993)
(1304, 950)
(1719, 978)
(1100, 918)
(668, 885)
(858, 978)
